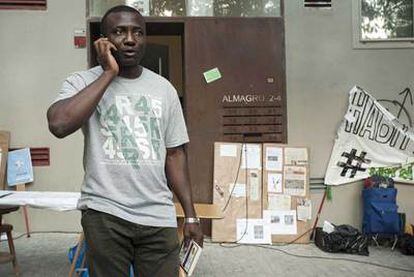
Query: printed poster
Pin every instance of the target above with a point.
(255, 186)
(228, 150)
(296, 156)
(295, 180)
(274, 158)
(304, 209)
(254, 156)
(281, 222)
(19, 167)
(279, 202)
(274, 182)
(237, 190)
(253, 231)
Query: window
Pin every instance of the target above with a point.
(383, 23)
(22, 4)
(182, 8)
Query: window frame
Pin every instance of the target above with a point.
(359, 43)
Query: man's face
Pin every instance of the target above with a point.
(126, 30)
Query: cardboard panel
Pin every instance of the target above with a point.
(4, 149)
(231, 176)
(202, 210)
(302, 227)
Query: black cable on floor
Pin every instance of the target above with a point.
(336, 259)
(315, 257)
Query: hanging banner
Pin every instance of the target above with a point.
(370, 141)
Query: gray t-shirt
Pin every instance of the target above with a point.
(125, 146)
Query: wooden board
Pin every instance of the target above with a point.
(229, 172)
(302, 226)
(4, 149)
(202, 210)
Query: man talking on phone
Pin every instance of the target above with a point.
(134, 155)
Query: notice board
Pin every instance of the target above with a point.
(281, 177)
(237, 187)
(286, 176)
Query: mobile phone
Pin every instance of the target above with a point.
(116, 55)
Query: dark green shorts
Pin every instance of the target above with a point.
(114, 244)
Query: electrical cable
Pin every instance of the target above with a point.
(315, 257)
(243, 147)
(335, 259)
(264, 247)
(235, 181)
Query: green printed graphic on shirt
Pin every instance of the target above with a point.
(131, 126)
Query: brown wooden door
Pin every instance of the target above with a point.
(247, 104)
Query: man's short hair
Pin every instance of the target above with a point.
(116, 9)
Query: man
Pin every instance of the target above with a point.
(134, 135)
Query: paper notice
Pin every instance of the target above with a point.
(274, 182)
(254, 156)
(328, 227)
(212, 75)
(281, 222)
(254, 186)
(295, 180)
(228, 150)
(253, 231)
(296, 156)
(274, 158)
(279, 202)
(239, 190)
(304, 209)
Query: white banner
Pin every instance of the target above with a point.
(370, 141)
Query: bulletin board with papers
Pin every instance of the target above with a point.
(279, 175)
(237, 188)
(286, 198)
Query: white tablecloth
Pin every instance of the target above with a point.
(58, 201)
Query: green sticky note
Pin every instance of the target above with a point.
(212, 75)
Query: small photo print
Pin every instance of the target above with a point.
(258, 231)
(281, 222)
(289, 219)
(274, 219)
(273, 158)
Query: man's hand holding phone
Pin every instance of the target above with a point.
(105, 57)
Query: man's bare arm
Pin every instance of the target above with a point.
(68, 115)
(178, 178)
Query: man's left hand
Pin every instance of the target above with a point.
(192, 231)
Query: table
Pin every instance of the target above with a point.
(67, 201)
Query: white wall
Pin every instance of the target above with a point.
(322, 67)
(37, 53)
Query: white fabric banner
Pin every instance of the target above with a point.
(370, 141)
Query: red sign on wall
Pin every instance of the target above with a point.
(79, 38)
